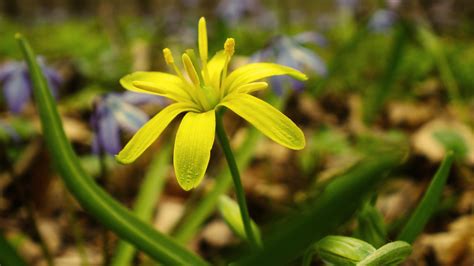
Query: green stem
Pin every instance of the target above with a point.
(308, 256)
(198, 213)
(239, 190)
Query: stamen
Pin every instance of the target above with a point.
(202, 43)
(229, 49)
(202, 39)
(192, 56)
(169, 59)
(229, 46)
(188, 65)
(168, 56)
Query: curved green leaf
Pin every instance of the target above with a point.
(150, 190)
(8, 254)
(91, 197)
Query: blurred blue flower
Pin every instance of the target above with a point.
(382, 20)
(289, 51)
(8, 133)
(233, 10)
(114, 113)
(17, 86)
(347, 4)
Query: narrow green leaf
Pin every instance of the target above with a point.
(370, 226)
(230, 211)
(375, 101)
(91, 197)
(148, 196)
(429, 203)
(434, 46)
(8, 254)
(334, 206)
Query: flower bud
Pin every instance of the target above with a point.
(342, 250)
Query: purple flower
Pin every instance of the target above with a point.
(347, 4)
(233, 10)
(7, 132)
(289, 51)
(17, 86)
(382, 20)
(114, 113)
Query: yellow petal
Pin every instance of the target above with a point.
(257, 71)
(192, 148)
(150, 132)
(251, 87)
(267, 119)
(157, 83)
(215, 66)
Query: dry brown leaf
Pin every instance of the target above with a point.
(50, 232)
(71, 257)
(398, 197)
(218, 234)
(454, 247)
(409, 113)
(170, 210)
(425, 143)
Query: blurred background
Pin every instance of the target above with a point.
(394, 71)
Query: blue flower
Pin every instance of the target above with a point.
(17, 86)
(233, 10)
(347, 4)
(114, 113)
(289, 51)
(8, 133)
(382, 20)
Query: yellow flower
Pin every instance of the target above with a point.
(203, 88)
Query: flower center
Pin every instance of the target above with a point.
(211, 96)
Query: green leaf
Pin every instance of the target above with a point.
(429, 203)
(91, 197)
(343, 250)
(392, 253)
(148, 195)
(8, 254)
(451, 140)
(230, 211)
(370, 226)
(333, 207)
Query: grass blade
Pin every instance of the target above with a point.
(147, 198)
(8, 254)
(429, 203)
(91, 197)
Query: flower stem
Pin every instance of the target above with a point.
(239, 190)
